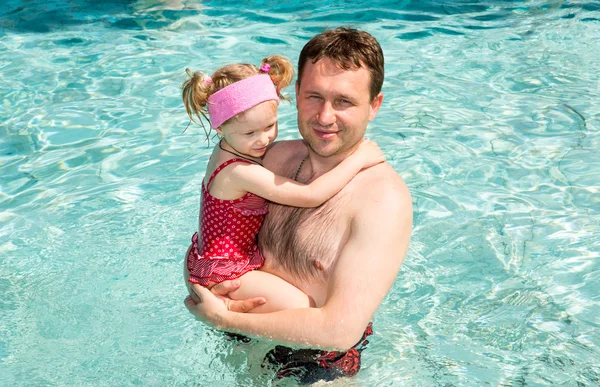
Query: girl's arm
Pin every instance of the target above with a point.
(264, 183)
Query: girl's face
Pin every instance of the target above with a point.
(253, 130)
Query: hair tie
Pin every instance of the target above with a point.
(207, 80)
(265, 68)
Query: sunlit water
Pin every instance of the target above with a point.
(491, 116)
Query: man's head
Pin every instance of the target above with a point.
(348, 49)
(338, 92)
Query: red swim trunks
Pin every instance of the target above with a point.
(311, 365)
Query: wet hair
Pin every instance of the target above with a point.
(196, 89)
(349, 49)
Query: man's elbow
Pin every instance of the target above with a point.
(345, 339)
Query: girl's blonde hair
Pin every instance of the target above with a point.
(198, 87)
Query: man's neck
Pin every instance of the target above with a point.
(320, 165)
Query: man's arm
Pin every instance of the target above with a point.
(362, 276)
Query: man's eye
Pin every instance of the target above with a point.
(249, 134)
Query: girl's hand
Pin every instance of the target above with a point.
(369, 154)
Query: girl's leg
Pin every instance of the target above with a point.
(278, 293)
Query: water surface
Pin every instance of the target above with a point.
(490, 116)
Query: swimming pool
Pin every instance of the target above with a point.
(490, 115)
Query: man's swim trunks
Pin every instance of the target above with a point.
(311, 365)
(227, 246)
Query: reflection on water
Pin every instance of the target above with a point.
(490, 115)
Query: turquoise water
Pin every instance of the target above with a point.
(491, 115)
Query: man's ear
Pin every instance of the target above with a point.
(297, 90)
(375, 105)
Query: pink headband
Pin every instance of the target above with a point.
(239, 97)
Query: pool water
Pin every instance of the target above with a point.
(491, 116)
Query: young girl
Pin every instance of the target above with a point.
(240, 102)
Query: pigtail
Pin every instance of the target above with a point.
(281, 72)
(195, 92)
(199, 87)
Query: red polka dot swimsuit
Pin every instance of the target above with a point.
(227, 246)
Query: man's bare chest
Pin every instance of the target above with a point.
(305, 241)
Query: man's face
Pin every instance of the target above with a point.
(334, 107)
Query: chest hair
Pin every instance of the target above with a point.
(297, 237)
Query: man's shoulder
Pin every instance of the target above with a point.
(282, 153)
(381, 185)
(279, 147)
(381, 207)
(381, 177)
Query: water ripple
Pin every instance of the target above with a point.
(489, 115)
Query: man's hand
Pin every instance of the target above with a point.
(211, 305)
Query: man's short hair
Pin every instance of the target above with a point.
(349, 49)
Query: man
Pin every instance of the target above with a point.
(346, 253)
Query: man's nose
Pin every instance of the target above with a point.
(326, 115)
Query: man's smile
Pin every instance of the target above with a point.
(325, 134)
